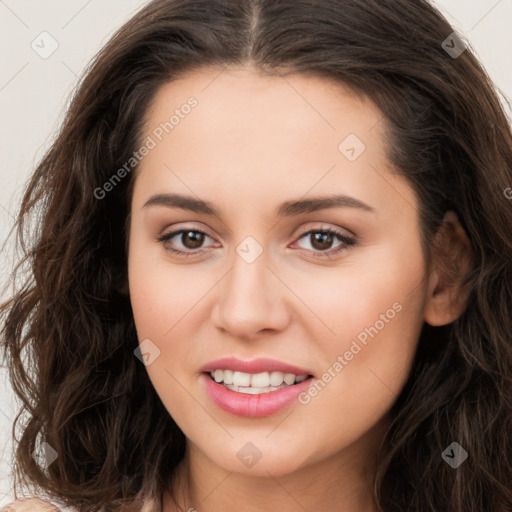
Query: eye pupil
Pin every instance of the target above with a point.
(325, 240)
(196, 237)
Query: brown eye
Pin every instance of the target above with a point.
(321, 241)
(185, 239)
(192, 239)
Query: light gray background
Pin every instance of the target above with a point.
(34, 93)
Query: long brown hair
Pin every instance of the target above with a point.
(69, 334)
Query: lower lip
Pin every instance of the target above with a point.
(254, 406)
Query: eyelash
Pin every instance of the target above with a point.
(346, 242)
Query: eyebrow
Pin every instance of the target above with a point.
(286, 209)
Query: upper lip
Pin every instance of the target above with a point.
(254, 366)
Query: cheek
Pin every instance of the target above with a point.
(162, 294)
(368, 316)
(375, 316)
(162, 298)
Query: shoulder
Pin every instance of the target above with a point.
(30, 505)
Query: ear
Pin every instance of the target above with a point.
(452, 261)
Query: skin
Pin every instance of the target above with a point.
(252, 143)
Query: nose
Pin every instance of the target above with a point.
(250, 300)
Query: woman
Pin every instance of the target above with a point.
(272, 268)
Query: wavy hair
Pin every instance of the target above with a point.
(68, 329)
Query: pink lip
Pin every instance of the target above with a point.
(255, 366)
(254, 406)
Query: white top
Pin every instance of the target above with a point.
(39, 505)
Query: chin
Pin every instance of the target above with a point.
(260, 458)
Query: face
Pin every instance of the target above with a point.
(292, 241)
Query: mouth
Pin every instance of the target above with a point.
(256, 388)
(255, 383)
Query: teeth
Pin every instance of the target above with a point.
(264, 381)
(260, 380)
(241, 379)
(228, 376)
(254, 391)
(289, 378)
(276, 378)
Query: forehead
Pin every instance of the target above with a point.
(260, 107)
(249, 135)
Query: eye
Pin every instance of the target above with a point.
(190, 239)
(321, 241)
